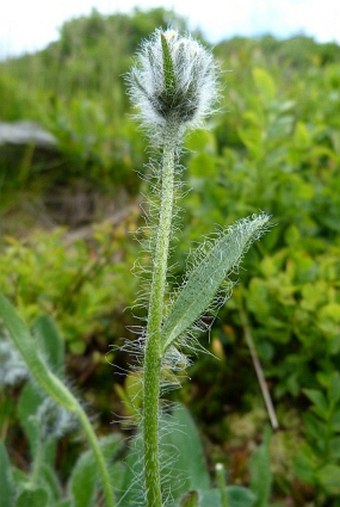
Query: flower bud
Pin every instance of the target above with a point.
(173, 84)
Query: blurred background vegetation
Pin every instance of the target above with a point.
(68, 248)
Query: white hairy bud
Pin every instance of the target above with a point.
(173, 84)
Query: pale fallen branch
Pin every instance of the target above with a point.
(258, 368)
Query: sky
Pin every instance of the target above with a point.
(29, 25)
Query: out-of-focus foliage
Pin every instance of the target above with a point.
(84, 285)
(274, 146)
(75, 88)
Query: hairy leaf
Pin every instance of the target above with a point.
(51, 343)
(183, 452)
(27, 346)
(83, 481)
(203, 283)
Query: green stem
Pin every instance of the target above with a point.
(38, 457)
(221, 484)
(101, 464)
(152, 360)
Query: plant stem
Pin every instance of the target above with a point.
(221, 484)
(152, 359)
(38, 457)
(99, 457)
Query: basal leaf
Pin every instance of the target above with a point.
(182, 450)
(83, 481)
(49, 481)
(27, 346)
(237, 496)
(204, 281)
(50, 342)
(261, 477)
(240, 496)
(28, 404)
(182, 457)
(36, 497)
(6, 479)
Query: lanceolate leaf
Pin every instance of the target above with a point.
(261, 477)
(205, 280)
(83, 481)
(50, 342)
(36, 497)
(27, 347)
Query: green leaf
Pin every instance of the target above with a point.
(210, 497)
(237, 496)
(50, 341)
(27, 347)
(29, 402)
(264, 83)
(83, 481)
(21, 479)
(37, 497)
(261, 477)
(184, 468)
(333, 391)
(49, 481)
(336, 421)
(6, 479)
(240, 496)
(190, 499)
(302, 138)
(335, 448)
(182, 453)
(63, 503)
(329, 477)
(320, 403)
(130, 486)
(204, 281)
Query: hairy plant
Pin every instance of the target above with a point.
(174, 87)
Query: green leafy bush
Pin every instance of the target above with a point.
(75, 283)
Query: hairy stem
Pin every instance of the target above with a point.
(152, 360)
